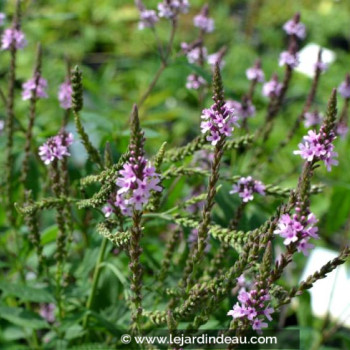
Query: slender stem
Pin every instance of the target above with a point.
(95, 279)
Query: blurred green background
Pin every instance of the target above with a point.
(119, 62)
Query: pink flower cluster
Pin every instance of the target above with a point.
(242, 110)
(203, 21)
(218, 123)
(135, 182)
(194, 53)
(171, 8)
(318, 147)
(255, 73)
(34, 84)
(65, 95)
(148, 18)
(56, 147)
(312, 118)
(14, 37)
(272, 88)
(194, 82)
(295, 27)
(289, 59)
(253, 306)
(298, 230)
(246, 187)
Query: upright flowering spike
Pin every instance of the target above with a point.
(217, 58)
(331, 115)
(12, 36)
(34, 88)
(77, 87)
(289, 58)
(148, 18)
(255, 73)
(203, 21)
(218, 87)
(295, 27)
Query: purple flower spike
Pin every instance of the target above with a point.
(295, 27)
(13, 37)
(56, 147)
(217, 124)
(171, 8)
(246, 187)
(194, 82)
(203, 21)
(30, 86)
(256, 73)
(289, 59)
(65, 95)
(344, 87)
(272, 88)
(148, 18)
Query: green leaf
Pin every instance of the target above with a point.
(23, 318)
(26, 293)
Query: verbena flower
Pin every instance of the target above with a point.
(216, 57)
(203, 21)
(298, 230)
(288, 58)
(47, 311)
(171, 8)
(272, 88)
(344, 87)
(56, 147)
(253, 306)
(318, 147)
(312, 118)
(2, 18)
(194, 54)
(242, 110)
(246, 187)
(218, 124)
(321, 66)
(342, 129)
(15, 37)
(135, 182)
(65, 95)
(107, 210)
(148, 18)
(194, 81)
(30, 86)
(256, 73)
(295, 27)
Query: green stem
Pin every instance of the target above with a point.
(95, 280)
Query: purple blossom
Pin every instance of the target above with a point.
(318, 147)
(344, 87)
(253, 306)
(148, 18)
(47, 311)
(194, 54)
(135, 186)
(255, 73)
(171, 8)
(218, 123)
(13, 37)
(299, 230)
(342, 129)
(2, 18)
(295, 27)
(107, 210)
(65, 95)
(216, 57)
(312, 118)
(242, 110)
(246, 187)
(289, 59)
(321, 66)
(272, 88)
(194, 82)
(56, 147)
(31, 85)
(203, 21)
